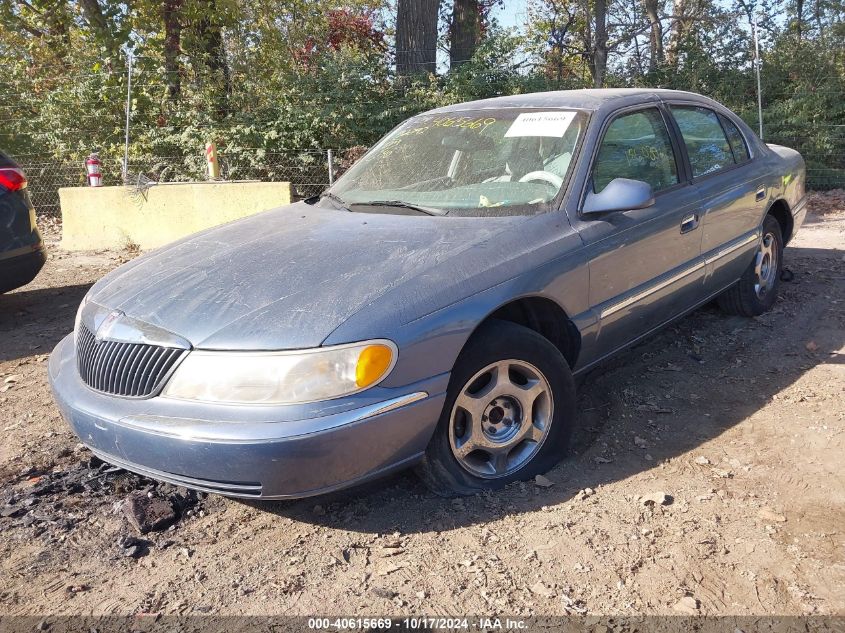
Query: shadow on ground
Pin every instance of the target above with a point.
(674, 392)
(34, 321)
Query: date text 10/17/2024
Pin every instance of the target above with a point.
(417, 623)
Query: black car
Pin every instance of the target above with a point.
(21, 248)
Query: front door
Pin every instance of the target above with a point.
(645, 265)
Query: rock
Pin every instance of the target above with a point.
(585, 493)
(767, 514)
(811, 347)
(701, 460)
(541, 590)
(640, 442)
(10, 380)
(11, 511)
(148, 514)
(420, 595)
(543, 482)
(133, 547)
(659, 498)
(391, 551)
(687, 605)
(381, 592)
(391, 568)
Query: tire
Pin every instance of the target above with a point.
(757, 289)
(505, 371)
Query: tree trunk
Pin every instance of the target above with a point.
(587, 38)
(799, 17)
(465, 31)
(655, 36)
(210, 34)
(599, 62)
(170, 13)
(416, 37)
(676, 31)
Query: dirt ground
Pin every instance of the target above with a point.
(738, 422)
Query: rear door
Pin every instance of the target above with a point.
(645, 265)
(731, 195)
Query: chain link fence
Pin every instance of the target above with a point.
(308, 171)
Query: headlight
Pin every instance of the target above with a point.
(290, 377)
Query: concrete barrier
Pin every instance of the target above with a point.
(96, 218)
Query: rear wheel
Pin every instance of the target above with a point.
(757, 289)
(508, 414)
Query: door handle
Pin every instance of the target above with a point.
(761, 194)
(689, 223)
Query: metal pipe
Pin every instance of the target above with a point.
(128, 114)
(757, 69)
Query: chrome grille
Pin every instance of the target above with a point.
(123, 369)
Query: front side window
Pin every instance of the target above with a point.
(707, 146)
(474, 162)
(636, 146)
(740, 149)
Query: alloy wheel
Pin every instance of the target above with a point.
(766, 265)
(501, 418)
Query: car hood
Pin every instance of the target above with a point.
(286, 278)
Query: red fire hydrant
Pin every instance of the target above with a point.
(92, 166)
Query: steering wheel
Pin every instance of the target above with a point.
(543, 176)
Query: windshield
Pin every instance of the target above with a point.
(473, 162)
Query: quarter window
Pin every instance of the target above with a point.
(736, 140)
(636, 146)
(707, 146)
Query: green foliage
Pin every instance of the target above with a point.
(294, 76)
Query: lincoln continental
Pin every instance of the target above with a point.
(434, 306)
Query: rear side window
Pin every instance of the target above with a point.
(740, 149)
(707, 146)
(636, 146)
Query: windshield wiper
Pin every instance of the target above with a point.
(400, 204)
(335, 198)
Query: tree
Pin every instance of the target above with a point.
(170, 16)
(576, 30)
(656, 56)
(465, 31)
(598, 57)
(100, 25)
(416, 36)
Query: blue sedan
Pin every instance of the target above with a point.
(432, 307)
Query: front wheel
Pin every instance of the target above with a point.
(757, 289)
(508, 415)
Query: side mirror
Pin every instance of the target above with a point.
(620, 194)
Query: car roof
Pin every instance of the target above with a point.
(586, 99)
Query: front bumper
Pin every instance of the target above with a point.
(228, 450)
